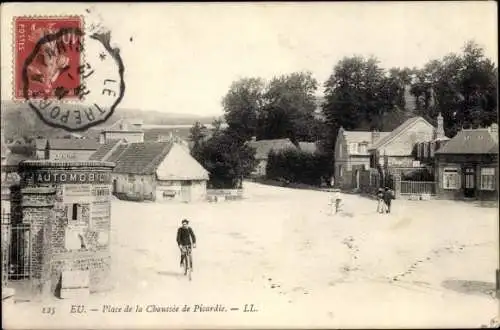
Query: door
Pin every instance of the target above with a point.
(357, 179)
(469, 182)
(186, 191)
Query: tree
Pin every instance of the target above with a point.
(227, 159)
(358, 94)
(289, 105)
(242, 105)
(197, 134)
(463, 87)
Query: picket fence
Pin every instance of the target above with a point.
(418, 188)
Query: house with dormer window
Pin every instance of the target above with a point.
(352, 156)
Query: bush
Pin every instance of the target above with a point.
(298, 167)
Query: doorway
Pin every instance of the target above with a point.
(186, 191)
(469, 182)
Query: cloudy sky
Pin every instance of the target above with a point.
(183, 57)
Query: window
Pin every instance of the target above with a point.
(451, 178)
(353, 148)
(488, 178)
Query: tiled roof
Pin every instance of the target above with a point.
(103, 150)
(471, 141)
(73, 144)
(142, 158)
(359, 136)
(116, 153)
(408, 123)
(263, 147)
(362, 137)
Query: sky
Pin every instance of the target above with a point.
(182, 58)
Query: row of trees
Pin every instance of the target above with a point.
(359, 95)
(283, 107)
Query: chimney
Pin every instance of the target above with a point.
(375, 136)
(494, 128)
(440, 127)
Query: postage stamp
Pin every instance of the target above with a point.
(55, 63)
(72, 79)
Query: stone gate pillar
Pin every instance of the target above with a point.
(397, 185)
(37, 207)
(68, 205)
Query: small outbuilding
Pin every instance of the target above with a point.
(160, 171)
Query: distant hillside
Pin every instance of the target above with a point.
(19, 120)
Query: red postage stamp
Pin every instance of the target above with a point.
(47, 57)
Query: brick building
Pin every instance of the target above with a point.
(66, 208)
(467, 165)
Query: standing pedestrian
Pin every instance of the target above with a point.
(388, 197)
(337, 199)
(380, 201)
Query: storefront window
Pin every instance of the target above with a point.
(488, 178)
(451, 178)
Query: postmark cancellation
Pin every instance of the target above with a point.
(68, 74)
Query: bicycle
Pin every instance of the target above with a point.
(187, 260)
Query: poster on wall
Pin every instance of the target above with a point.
(77, 192)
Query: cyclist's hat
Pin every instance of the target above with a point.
(185, 221)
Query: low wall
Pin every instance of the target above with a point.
(224, 194)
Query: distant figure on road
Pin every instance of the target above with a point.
(185, 239)
(380, 201)
(388, 197)
(335, 201)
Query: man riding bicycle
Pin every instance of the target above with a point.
(185, 240)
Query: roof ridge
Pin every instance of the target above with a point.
(164, 152)
(398, 130)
